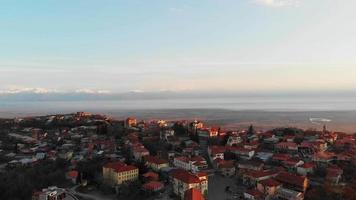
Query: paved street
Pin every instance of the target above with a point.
(217, 185)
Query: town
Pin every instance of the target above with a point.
(84, 156)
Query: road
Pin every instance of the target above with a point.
(73, 191)
(217, 186)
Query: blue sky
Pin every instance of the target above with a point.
(234, 45)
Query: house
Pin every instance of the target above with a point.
(208, 132)
(198, 163)
(264, 156)
(72, 176)
(234, 140)
(306, 169)
(226, 168)
(182, 162)
(292, 164)
(150, 176)
(195, 125)
(164, 134)
(194, 164)
(247, 165)
(139, 152)
(130, 122)
(286, 146)
(216, 152)
(269, 186)
(193, 194)
(153, 186)
(116, 173)
(155, 163)
(281, 157)
(253, 194)
(251, 178)
(242, 152)
(252, 145)
(323, 158)
(293, 182)
(320, 145)
(183, 181)
(287, 194)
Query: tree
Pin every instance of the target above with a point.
(250, 130)
(179, 129)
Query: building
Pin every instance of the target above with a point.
(193, 194)
(323, 158)
(227, 168)
(287, 194)
(251, 178)
(216, 152)
(234, 140)
(117, 173)
(306, 169)
(183, 181)
(293, 182)
(155, 163)
(208, 132)
(195, 125)
(150, 176)
(130, 122)
(153, 186)
(72, 176)
(242, 152)
(269, 186)
(182, 162)
(194, 164)
(139, 152)
(247, 165)
(287, 146)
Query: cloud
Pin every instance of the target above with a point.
(18, 89)
(277, 3)
(38, 90)
(91, 91)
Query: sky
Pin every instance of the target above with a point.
(177, 45)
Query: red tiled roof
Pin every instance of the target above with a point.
(201, 174)
(114, 165)
(285, 177)
(287, 144)
(119, 166)
(308, 165)
(153, 185)
(291, 162)
(155, 159)
(198, 159)
(193, 194)
(73, 174)
(270, 182)
(126, 168)
(281, 157)
(185, 176)
(324, 155)
(150, 174)
(260, 174)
